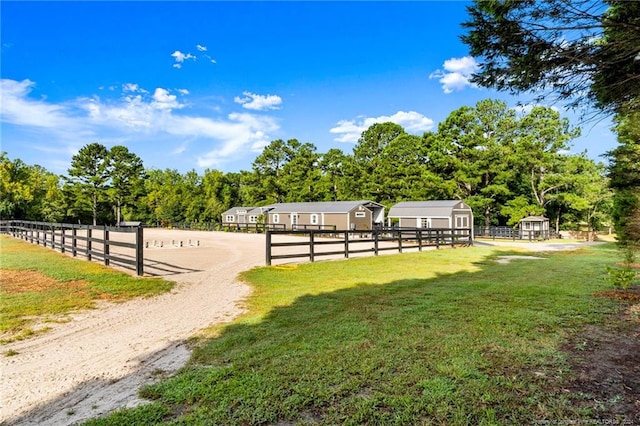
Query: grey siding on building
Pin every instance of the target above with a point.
(432, 214)
(339, 214)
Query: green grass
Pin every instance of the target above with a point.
(41, 285)
(440, 337)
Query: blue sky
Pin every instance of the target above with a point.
(202, 85)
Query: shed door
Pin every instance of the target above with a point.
(423, 222)
(294, 220)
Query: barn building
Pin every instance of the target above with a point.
(340, 215)
(431, 214)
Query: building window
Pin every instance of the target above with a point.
(230, 218)
(361, 214)
(253, 219)
(276, 218)
(462, 221)
(314, 219)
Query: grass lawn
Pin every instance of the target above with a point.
(41, 285)
(440, 337)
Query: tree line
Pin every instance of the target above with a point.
(506, 165)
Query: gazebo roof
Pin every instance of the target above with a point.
(534, 219)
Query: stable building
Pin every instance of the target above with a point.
(449, 214)
(362, 215)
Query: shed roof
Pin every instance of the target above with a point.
(322, 206)
(235, 210)
(422, 208)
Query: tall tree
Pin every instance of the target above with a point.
(267, 168)
(89, 176)
(479, 144)
(127, 173)
(624, 173)
(367, 158)
(300, 174)
(331, 182)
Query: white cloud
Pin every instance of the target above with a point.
(165, 101)
(183, 91)
(17, 108)
(456, 74)
(136, 116)
(351, 130)
(259, 102)
(181, 57)
(132, 87)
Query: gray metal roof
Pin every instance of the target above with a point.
(235, 210)
(322, 206)
(425, 208)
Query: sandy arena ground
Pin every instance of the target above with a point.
(97, 362)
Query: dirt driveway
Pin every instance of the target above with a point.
(97, 362)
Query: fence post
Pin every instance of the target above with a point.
(420, 240)
(63, 231)
(268, 246)
(376, 234)
(74, 241)
(437, 239)
(105, 237)
(453, 241)
(311, 243)
(346, 244)
(139, 251)
(89, 242)
(399, 241)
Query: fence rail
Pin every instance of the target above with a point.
(252, 227)
(340, 242)
(97, 243)
(494, 232)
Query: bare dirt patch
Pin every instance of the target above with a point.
(33, 281)
(605, 364)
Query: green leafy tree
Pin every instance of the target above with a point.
(624, 173)
(404, 173)
(126, 173)
(584, 52)
(300, 173)
(478, 144)
(331, 183)
(165, 196)
(48, 201)
(29, 192)
(267, 169)
(367, 159)
(15, 193)
(89, 177)
(580, 51)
